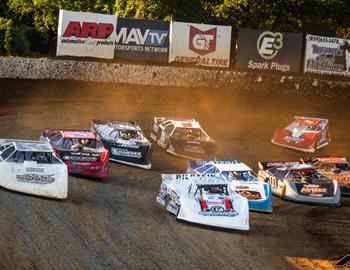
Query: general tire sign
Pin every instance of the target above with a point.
(327, 55)
(86, 34)
(142, 40)
(271, 51)
(202, 44)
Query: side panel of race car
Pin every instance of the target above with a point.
(314, 194)
(305, 143)
(192, 149)
(263, 205)
(135, 155)
(86, 163)
(31, 178)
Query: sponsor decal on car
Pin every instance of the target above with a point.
(194, 149)
(218, 211)
(250, 194)
(125, 153)
(30, 169)
(35, 178)
(291, 139)
(314, 190)
(80, 158)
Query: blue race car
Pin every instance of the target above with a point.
(240, 177)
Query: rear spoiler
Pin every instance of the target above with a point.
(265, 165)
(317, 158)
(113, 122)
(310, 118)
(160, 119)
(197, 163)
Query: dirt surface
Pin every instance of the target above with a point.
(117, 224)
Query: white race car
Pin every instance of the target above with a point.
(32, 167)
(204, 199)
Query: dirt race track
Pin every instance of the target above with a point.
(117, 224)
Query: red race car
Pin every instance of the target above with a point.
(304, 134)
(81, 150)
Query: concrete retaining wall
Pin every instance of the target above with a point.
(42, 68)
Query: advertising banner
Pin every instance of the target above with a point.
(86, 34)
(142, 40)
(327, 55)
(202, 44)
(270, 51)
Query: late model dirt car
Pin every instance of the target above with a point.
(335, 168)
(81, 150)
(125, 141)
(31, 167)
(183, 137)
(299, 182)
(304, 134)
(240, 177)
(204, 199)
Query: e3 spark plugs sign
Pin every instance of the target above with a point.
(271, 51)
(142, 40)
(202, 44)
(86, 34)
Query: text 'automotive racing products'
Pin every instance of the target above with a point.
(240, 177)
(299, 182)
(80, 150)
(335, 168)
(31, 167)
(183, 137)
(204, 199)
(304, 134)
(125, 142)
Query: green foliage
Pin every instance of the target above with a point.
(5, 36)
(29, 27)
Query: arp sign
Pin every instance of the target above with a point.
(202, 42)
(149, 37)
(88, 29)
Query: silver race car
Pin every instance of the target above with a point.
(183, 137)
(299, 182)
(204, 199)
(32, 167)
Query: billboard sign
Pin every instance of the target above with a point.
(327, 55)
(86, 34)
(142, 40)
(202, 44)
(271, 51)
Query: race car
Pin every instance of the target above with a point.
(80, 150)
(125, 142)
(32, 167)
(304, 134)
(183, 137)
(204, 199)
(299, 182)
(335, 168)
(240, 177)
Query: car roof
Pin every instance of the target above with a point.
(186, 124)
(233, 167)
(212, 180)
(309, 120)
(78, 134)
(29, 146)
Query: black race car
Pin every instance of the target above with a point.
(125, 142)
(183, 137)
